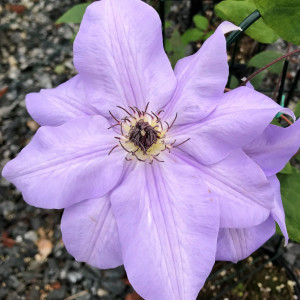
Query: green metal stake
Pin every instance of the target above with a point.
(281, 104)
(244, 25)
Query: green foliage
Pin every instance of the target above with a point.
(275, 122)
(192, 35)
(207, 35)
(258, 79)
(200, 22)
(74, 14)
(290, 191)
(263, 58)
(168, 24)
(288, 169)
(233, 82)
(237, 10)
(260, 60)
(283, 16)
(297, 110)
(175, 48)
(199, 33)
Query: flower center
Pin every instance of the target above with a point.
(143, 135)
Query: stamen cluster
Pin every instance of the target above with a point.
(142, 134)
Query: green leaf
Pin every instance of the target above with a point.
(233, 82)
(200, 22)
(283, 16)
(290, 192)
(258, 79)
(192, 35)
(74, 14)
(288, 169)
(237, 10)
(297, 157)
(175, 48)
(207, 35)
(275, 122)
(168, 46)
(297, 110)
(263, 58)
(168, 24)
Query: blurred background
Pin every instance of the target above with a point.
(36, 39)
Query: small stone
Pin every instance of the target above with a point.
(291, 283)
(31, 236)
(59, 69)
(73, 277)
(45, 81)
(19, 239)
(3, 293)
(12, 61)
(57, 294)
(63, 274)
(7, 208)
(290, 258)
(32, 125)
(45, 247)
(115, 287)
(13, 282)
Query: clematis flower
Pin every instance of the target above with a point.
(151, 165)
(271, 151)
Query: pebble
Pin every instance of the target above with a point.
(102, 293)
(115, 287)
(31, 236)
(74, 277)
(57, 294)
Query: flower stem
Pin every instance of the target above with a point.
(279, 81)
(244, 25)
(269, 64)
(286, 119)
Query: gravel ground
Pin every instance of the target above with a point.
(34, 264)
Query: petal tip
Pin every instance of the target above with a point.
(228, 26)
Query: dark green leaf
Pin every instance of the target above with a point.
(168, 24)
(263, 58)
(275, 122)
(288, 169)
(290, 191)
(297, 110)
(283, 16)
(175, 48)
(237, 10)
(192, 35)
(74, 14)
(200, 22)
(258, 79)
(207, 35)
(233, 82)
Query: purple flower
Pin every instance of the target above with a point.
(271, 151)
(176, 180)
